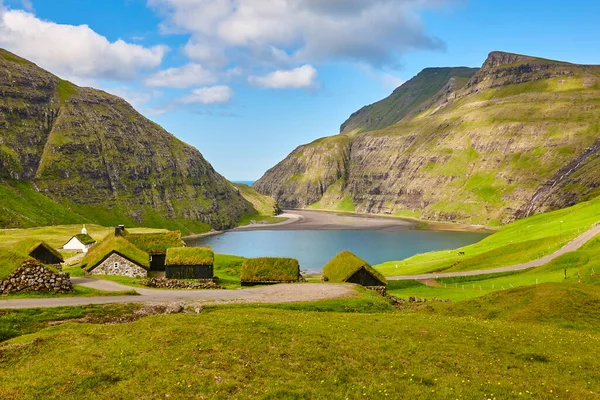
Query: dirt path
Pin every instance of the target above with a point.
(571, 246)
(283, 293)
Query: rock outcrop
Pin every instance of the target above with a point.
(96, 157)
(520, 136)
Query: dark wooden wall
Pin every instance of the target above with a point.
(158, 262)
(44, 256)
(364, 278)
(189, 271)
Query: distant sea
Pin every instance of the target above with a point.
(249, 183)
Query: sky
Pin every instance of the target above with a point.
(247, 81)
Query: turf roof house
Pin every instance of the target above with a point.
(117, 256)
(20, 273)
(45, 254)
(155, 244)
(189, 263)
(346, 267)
(269, 270)
(80, 242)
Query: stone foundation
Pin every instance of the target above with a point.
(32, 276)
(164, 283)
(118, 265)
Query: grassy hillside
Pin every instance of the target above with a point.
(518, 242)
(287, 352)
(407, 99)
(521, 137)
(70, 154)
(264, 205)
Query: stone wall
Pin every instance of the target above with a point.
(123, 267)
(32, 276)
(164, 283)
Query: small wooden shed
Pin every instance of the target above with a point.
(347, 267)
(269, 270)
(45, 254)
(189, 263)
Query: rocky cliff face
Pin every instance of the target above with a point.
(93, 154)
(521, 136)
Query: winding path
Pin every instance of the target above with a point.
(571, 246)
(282, 293)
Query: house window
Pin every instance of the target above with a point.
(116, 265)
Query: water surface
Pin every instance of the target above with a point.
(313, 248)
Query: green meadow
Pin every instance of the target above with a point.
(359, 348)
(521, 241)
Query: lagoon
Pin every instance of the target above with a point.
(313, 248)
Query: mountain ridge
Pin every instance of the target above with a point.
(478, 152)
(94, 156)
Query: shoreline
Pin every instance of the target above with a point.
(302, 219)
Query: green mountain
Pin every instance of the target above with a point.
(70, 154)
(414, 95)
(521, 136)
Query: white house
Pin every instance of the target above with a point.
(80, 242)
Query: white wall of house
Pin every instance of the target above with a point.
(75, 244)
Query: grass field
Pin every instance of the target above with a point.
(311, 351)
(518, 242)
(78, 291)
(57, 235)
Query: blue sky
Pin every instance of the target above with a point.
(246, 81)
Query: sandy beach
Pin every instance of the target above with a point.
(326, 220)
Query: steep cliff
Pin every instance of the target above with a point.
(96, 159)
(520, 137)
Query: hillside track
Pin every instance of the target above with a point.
(573, 245)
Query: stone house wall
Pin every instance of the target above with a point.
(118, 265)
(32, 276)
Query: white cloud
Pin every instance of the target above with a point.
(371, 31)
(209, 95)
(74, 51)
(298, 78)
(137, 97)
(391, 81)
(182, 77)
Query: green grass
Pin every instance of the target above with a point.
(581, 266)
(266, 353)
(228, 269)
(265, 205)
(15, 323)
(190, 256)
(78, 291)
(344, 264)
(157, 242)
(518, 242)
(247, 219)
(10, 261)
(65, 90)
(21, 206)
(346, 204)
(269, 269)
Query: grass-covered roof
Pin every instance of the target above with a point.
(190, 256)
(85, 239)
(96, 254)
(270, 269)
(48, 248)
(345, 264)
(155, 243)
(10, 261)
